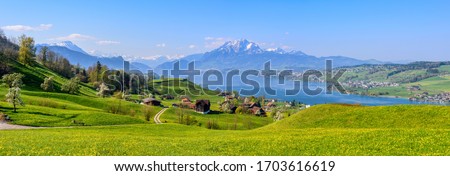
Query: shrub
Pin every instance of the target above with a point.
(46, 103)
(116, 108)
(2, 117)
(211, 124)
(188, 120)
(132, 112)
(71, 86)
(147, 112)
(78, 123)
(239, 110)
(47, 85)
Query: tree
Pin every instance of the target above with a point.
(13, 80)
(42, 57)
(103, 90)
(279, 115)
(26, 50)
(72, 86)
(13, 97)
(96, 71)
(239, 110)
(226, 107)
(48, 84)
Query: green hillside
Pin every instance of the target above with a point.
(381, 117)
(433, 85)
(35, 75)
(396, 80)
(320, 130)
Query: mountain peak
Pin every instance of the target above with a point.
(276, 50)
(66, 44)
(240, 46)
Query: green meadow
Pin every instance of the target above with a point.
(319, 130)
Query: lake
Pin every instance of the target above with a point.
(321, 98)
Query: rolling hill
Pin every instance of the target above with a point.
(310, 132)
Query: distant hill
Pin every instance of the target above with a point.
(76, 55)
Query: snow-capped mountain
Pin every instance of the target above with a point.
(276, 50)
(243, 54)
(239, 47)
(66, 44)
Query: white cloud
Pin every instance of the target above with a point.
(192, 46)
(20, 28)
(286, 33)
(75, 37)
(107, 42)
(214, 42)
(161, 45)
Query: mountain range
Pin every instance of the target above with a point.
(76, 55)
(243, 54)
(237, 54)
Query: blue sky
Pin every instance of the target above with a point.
(374, 29)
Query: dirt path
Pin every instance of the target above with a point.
(5, 126)
(156, 119)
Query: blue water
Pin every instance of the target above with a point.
(322, 98)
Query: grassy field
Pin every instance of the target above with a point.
(320, 130)
(224, 120)
(90, 125)
(433, 85)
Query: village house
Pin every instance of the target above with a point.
(270, 105)
(228, 98)
(224, 94)
(258, 111)
(414, 88)
(151, 101)
(255, 108)
(202, 106)
(167, 97)
(187, 103)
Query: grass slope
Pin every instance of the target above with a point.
(320, 130)
(433, 85)
(35, 75)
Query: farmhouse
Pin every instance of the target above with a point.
(228, 98)
(202, 106)
(167, 96)
(151, 101)
(255, 108)
(270, 105)
(257, 111)
(224, 94)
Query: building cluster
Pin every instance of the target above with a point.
(443, 98)
(369, 84)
